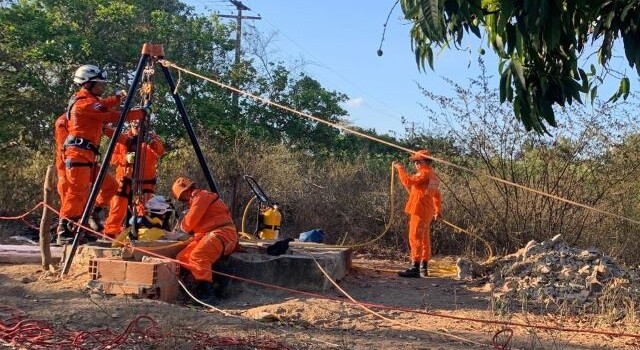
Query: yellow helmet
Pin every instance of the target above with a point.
(181, 185)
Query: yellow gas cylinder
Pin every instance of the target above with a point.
(270, 226)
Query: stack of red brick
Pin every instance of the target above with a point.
(150, 279)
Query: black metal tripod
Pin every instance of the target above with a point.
(151, 52)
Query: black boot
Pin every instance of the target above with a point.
(64, 232)
(411, 272)
(95, 220)
(206, 293)
(423, 269)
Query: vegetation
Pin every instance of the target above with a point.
(322, 177)
(539, 44)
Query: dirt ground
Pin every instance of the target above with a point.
(419, 313)
(303, 322)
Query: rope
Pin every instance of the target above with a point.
(389, 223)
(377, 314)
(373, 305)
(194, 298)
(478, 237)
(20, 217)
(16, 331)
(242, 232)
(169, 64)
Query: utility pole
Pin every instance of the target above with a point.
(239, 17)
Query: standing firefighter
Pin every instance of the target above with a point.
(61, 132)
(87, 114)
(124, 159)
(423, 206)
(214, 234)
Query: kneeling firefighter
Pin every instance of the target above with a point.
(214, 234)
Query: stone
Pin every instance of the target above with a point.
(544, 269)
(464, 269)
(585, 271)
(593, 284)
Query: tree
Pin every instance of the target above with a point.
(539, 44)
(43, 42)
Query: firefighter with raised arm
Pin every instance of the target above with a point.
(87, 114)
(423, 206)
(124, 158)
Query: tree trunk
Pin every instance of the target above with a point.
(47, 217)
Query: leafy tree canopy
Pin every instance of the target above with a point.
(539, 44)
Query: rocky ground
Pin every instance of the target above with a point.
(553, 275)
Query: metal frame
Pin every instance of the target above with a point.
(151, 52)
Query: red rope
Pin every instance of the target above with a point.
(37, 334)
(378, 306)
(25, 214)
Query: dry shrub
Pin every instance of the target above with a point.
(22, 172)
(346, 199)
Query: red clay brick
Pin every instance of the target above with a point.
(155, 280)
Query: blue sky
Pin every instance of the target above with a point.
(338, 40)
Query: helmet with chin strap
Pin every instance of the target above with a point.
(88, 73)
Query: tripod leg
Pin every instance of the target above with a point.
(189, 127)
(104, 167)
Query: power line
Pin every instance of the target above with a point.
(390, 111)
(239, 17)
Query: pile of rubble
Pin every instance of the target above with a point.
(552, 272)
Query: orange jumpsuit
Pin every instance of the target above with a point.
(214, 234)
(124, 172)
(61, 132)
(87, 116)
(423, 204)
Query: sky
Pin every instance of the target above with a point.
(338, 40)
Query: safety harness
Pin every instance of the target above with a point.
(125, 187)
(73, 141)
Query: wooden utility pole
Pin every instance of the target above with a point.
(239, 17)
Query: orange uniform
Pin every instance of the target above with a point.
(61, 132)
(423, 204)
(151, 153)
(87, 116)
(214, 234)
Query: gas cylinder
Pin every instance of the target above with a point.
(270, 218)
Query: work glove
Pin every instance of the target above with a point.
(397, 165)
(131, 157)
(121, 94)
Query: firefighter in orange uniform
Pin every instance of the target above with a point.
(214, 234)
(423, 206)
(61, 132)
(87, 114)
(124, 158)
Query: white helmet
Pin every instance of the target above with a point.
(158, 205)
(89, 72)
